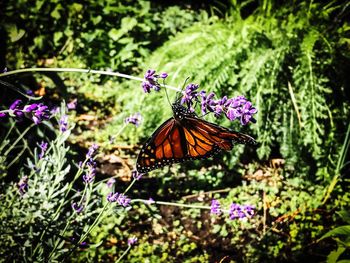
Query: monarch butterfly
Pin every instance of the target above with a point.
(186, 137)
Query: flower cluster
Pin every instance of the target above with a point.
(89, 176)
(36, 112)
(77, 208)
(134, 119)
(43, 148)
(121, 199)
(152, 80)
(63, 123)
(215, 207)
(72, 105)
(110, 182)
(240, 211)
(234, 108)
(22, 185)
(132, 241)
(236, 211)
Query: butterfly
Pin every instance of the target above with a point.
(185, 137)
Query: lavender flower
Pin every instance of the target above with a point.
(152, 80)
(136, 175)
(92, 150)
(72, 105)
(43, 147)
(247, 113)
(77, 208)
(215, 207)
(63, 123)
(207, 102)
(240, 211)
(30, 107)
(15, 104)
(132, 241)
(134, 119)
(41, 113)
(22, 185)
(121, 199)
(89, 176)
(110, 182)
(2, 114)
(189, 95)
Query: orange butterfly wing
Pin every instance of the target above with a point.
(187, 138)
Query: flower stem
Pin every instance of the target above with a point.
(125, 252)
(18, 139)
(100, 72)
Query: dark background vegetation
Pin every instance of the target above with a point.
(290, 58)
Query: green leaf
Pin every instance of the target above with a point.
(114, 34)
(334, 255)
(15, 34)
(339, 231)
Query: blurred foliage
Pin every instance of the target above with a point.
(289, 58)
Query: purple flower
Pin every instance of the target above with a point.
(136, 175)
(30, 107)
(233, 113)
(92, 150)
(121, 199)
(247, 113)
(72, 105)
(132, 241)
(77, 208)
(240, 211)
(30, 92)
(2, 114)
(146, 87)
(110, 182)
(83, 244)
(55, 110)
(41, 113)
(152, 80)
(22, 185)
(43, 147)
(15, 104)
(134, 119)
(63, 123)
(189, 95)
(219, 106)
(89, 176)
(238, 101)
(207, 102)
(112, 197)
(163, 75)
(215, 207)
(151, 77)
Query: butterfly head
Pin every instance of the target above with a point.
(180, 111)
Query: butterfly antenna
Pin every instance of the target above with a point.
(182, 88)
(166, 93)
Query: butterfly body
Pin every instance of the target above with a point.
(186, 137)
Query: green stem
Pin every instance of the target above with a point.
(125, 252)
(18, 139)
(100, 72)
(173, 204)
(130, 185)
(340, 164)
(97, 220)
